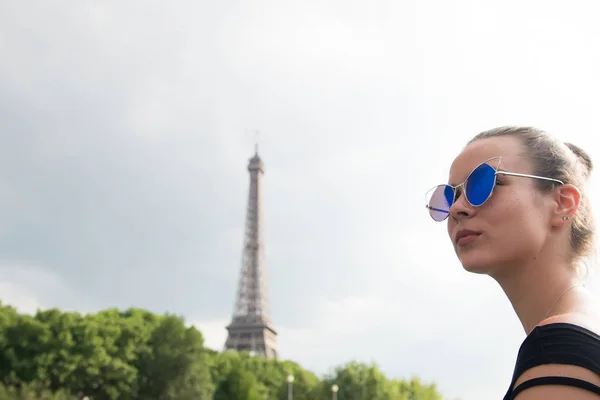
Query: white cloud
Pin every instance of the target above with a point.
(213, 331)
(29, 287)
(20, 297)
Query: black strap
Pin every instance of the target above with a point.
(555, 380)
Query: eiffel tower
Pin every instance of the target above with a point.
(251, 328)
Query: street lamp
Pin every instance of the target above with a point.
(290, 380)
(334, 390)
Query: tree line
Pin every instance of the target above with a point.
(136, 354)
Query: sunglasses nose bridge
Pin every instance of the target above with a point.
(461, 204)
(459, 191)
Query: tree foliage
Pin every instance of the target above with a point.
(135, 354)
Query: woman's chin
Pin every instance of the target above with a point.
(475, 265)
(475, 269)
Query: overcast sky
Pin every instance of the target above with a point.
(126, 128)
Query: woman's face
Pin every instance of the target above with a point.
(513, 226)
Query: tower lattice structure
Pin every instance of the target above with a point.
(251, 328)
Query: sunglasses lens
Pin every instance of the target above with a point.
(440, 201)
(480, 184)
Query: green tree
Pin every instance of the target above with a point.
(359, 381)
(176, 366)
(135, 354)
(238, 384)
(33, 391)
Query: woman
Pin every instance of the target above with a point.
(517, 210)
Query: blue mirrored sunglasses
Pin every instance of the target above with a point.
(477, 188)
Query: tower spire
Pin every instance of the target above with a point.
(250, 328)
(256, 142)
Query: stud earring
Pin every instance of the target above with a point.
(565, 218)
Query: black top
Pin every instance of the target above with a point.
(557, 343)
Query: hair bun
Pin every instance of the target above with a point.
(583, 157)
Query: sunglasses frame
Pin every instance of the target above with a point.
(463, 184)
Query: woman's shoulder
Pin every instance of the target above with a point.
(588, 320)
(556, 336)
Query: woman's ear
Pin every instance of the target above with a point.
(567, 202)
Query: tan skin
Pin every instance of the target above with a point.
(524, 245)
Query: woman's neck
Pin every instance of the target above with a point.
(538, 290)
